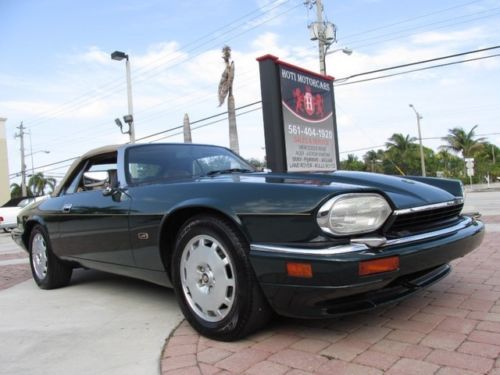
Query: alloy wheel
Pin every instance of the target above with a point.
(208, 278)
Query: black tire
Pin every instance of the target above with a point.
(246, 309)
(49, 272)
(7, 230)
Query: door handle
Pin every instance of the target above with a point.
(67, 207)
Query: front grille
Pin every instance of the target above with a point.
(414, 222)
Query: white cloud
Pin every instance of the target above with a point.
(95, 55)
(168, 82)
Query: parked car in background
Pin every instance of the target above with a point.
(9, 211)
(236, 244)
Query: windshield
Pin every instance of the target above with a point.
(146, 163)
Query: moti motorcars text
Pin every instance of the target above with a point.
(237, 244)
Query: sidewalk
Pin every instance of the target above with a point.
(14, 266)
(99, 324)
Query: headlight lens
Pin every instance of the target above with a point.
(355, 213)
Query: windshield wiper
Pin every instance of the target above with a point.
(228, 171)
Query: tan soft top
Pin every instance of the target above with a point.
(89, 154)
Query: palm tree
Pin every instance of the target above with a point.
(352, 163)
(401, 143)
(226, 89)
(372, 158)
(16, 191)
(38, 183)
(463, 142)
(403, 149)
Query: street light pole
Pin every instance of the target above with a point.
(345, 50)
(422, 159)
(118, 55)
(33, 153)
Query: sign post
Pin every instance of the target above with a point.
(469, 164)
(299, 118)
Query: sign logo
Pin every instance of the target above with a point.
(308, 104)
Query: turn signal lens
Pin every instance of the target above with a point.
(370, 267)
(303, 270)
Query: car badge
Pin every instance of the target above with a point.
(142, 235)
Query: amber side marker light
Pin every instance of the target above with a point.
(299, 270)
(370, 267)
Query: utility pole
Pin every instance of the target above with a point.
(321, 40)
(23, 164)
(322, 31)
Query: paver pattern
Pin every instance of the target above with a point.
(12, 273)
(451, 328)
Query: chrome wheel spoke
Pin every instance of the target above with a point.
(39, 256)
(208, 278)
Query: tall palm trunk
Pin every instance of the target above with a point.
(187, 129)
(233, 131)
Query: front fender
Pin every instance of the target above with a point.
(211, 203)
(450, 185)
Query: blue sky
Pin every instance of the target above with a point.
(57, 77)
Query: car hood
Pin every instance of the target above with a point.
(402, 192)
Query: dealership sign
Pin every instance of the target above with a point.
(299, 117)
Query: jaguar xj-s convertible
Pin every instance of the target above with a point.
(237, 244)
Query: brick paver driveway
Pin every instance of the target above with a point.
(451, 328)
(14, 266)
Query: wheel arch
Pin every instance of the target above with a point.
(172, 223)
(28, 227)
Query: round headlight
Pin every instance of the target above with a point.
(354, 213)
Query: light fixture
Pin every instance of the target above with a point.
(119, 55)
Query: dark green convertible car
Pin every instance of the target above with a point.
(237, 244)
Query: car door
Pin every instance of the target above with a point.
(92, 224)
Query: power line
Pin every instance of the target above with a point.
(364, 32)
(418, 62)
(155, 134)
(148, 118)
(209, 35)
(210, 123)
(197, 121)
(149, 71)
(384, 146)
(340, 84)
(410, 31)
(417, 70)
